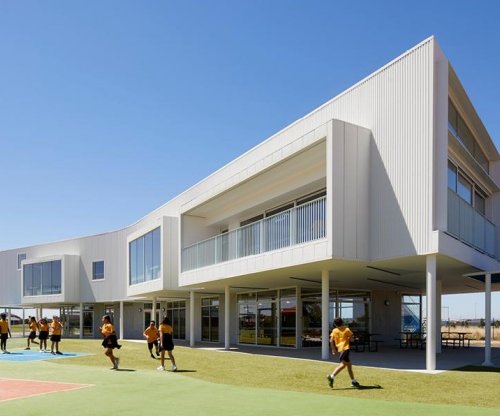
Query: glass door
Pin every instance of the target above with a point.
(247, 320)
(267, 319)
(210, 319)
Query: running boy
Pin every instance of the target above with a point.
(166, 344)
(152, 335)
(4, 333)
(55, 338)
(339, 342)
(32, 335)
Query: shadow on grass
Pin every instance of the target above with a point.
(478, 369)
(125, 369)
(183, 371)
(361, 387)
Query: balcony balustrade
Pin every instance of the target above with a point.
(297, 225)
(469, 226)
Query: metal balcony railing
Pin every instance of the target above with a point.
(294, 226)
(469, 226)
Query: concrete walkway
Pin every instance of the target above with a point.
(389, 357)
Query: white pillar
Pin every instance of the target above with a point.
(438, 316)
(121, 319)
(153, 312)
(430, 351)
(227, 306)
(325, 330)
(191, 318)
(298, 319)
(81, 320)
(24, 326)
(487, 321)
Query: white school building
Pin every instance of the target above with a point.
(386, 193)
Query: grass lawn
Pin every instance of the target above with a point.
(220, 383)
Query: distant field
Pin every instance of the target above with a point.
(476, 332)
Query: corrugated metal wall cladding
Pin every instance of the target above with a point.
(397, 105)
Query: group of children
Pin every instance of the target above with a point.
(160, 338)
(43, 328)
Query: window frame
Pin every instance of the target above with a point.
(19, 260)
(475, 189)
(94, 274)
(136, 252)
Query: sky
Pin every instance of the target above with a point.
(109, 109)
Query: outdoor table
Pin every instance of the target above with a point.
(363, 339)
(454, 335)
(412, 339)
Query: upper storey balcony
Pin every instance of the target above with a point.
(299, 224)
(473, 183)
(272, 213)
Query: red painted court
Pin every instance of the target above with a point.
(11, 389)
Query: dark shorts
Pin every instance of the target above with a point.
(55, 338)
(32, 335)
(110, 342)
(3, 337)
(344, 356)
(167, 342)
(150, 344)
(43, 335)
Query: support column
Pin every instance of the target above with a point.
(298, 319)
(24, 326)
(487, 321)
(325, 330)
(121, 319)
(81, 320)
(191, 319)
(438, 316)
(227, 306)
(153, 312)
(430, 351)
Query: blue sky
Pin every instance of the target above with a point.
(108, 109)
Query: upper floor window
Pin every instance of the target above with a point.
(42, 278)
(20, 258)
(466, 189)
(98, 270)
(145, 257)
(461, 131)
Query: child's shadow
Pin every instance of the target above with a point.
(183, 371)
(362, 387)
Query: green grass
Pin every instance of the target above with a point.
(262, 377)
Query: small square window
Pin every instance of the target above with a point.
(98, 270)
(20, 258)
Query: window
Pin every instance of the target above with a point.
(210, 319)
(461, 131)
(176, 311)
(466, 189)
(145, 258)
(98, 270)
(42, 278)
(20, 258)
(452, 177)
(411, 313)
(479, 203)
